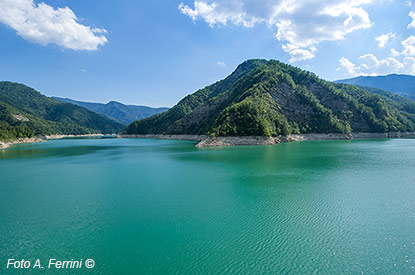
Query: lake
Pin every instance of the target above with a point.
(165, 207)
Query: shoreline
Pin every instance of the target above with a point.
(197, 138)
(5, 145)
(206, 142)
(71, 136)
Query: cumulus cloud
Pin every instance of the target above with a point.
(216, 14)
(397, 62)
(409, 46)
(394, 53)
(347, 66)
(43, 24)
(384, 39)
(412, 24)
(369, 64)
(301, 25)
(299, 54)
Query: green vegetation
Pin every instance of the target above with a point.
(26, 113)
(118, 112)
(270, 98)
(10, 127)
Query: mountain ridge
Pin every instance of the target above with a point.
(270, 98)
(24, 112)
(400, 84)
(116, 111)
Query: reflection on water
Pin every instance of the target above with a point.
(50, 152)
(79, 146)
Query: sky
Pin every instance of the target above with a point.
(156, 52)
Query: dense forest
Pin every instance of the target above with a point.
(25, 112)
(270, 98)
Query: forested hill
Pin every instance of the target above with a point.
(121, 113)
(403, 85)
(25, 112)
(269, 98)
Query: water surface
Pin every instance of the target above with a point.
(166, 207)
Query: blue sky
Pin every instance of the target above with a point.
(156, 52)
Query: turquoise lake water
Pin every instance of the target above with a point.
(166, 207)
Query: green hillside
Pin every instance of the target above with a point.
(25, 112)
(124, 114)
(269, 98)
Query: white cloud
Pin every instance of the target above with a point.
(300, 54)
(216, 14)
(412, 24)
(42, 24)
(301, 25)
(409, 46)
(221, 64)
(83, 70)
(394, 53)
(384, 39)
(369, 65)
(347, 66)
(397, 62)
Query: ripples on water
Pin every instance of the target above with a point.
(162, 207)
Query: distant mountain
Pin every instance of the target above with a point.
(403, 85)
(124, 114)
(270, 98)
(25, 112)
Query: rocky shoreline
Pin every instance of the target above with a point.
(71, 136)
(205, 141)
(4, 145)
(168, 137)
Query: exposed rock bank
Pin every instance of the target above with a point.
(348, 136)
(205, 141)
(71, 136)
(168, 137)
(4, 145)
(237, 141)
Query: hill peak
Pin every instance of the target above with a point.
(268, 98)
